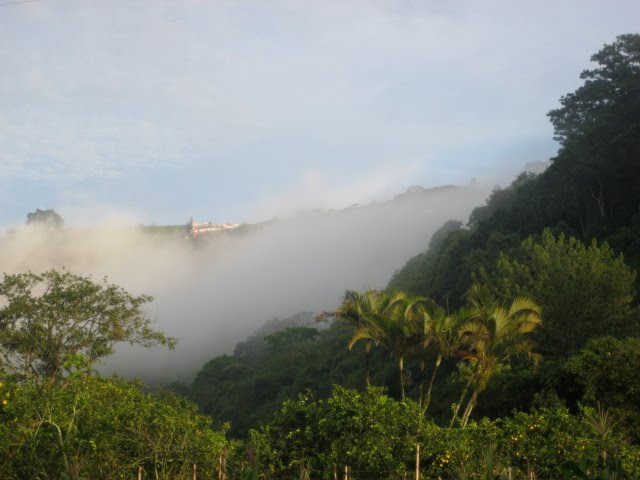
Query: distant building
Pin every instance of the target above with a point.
(194, 229)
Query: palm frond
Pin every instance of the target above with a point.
(360, 334)
(521, 304)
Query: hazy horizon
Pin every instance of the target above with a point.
(212, 296)
(121, 113)
(236, 111)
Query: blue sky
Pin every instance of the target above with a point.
(241, 110)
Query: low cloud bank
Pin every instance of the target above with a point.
(213, 294)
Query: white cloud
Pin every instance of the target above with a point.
(97, 90)
(331, 190)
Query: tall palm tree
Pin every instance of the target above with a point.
(392, 327)
(356, 309)
(493, 336)
(439, 338)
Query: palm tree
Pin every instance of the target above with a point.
(439, 333)
(492, 337)
(356, 308)
(393, 327)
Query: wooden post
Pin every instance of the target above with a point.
(195, 475)
(335, 472)
(224, 464)
(139, 473)
(346, 473)
(417, 461)
(220, 468)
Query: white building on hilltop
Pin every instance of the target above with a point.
(194, 229)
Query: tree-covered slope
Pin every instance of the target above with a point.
(590, 190)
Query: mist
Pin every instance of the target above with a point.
(214, 294)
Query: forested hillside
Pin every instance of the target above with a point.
(591, 190)
(531, 306)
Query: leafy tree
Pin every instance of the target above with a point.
(368, 431)
(222, 388)
(591, 189)
(501, 202)
(49, 318)
(440, 235)
(45, 218)
(291, 336)
(606, 371)
(90, 427)
(446, 273)
(250, 386)
(585, 291)
(438, 273)
(492, 337)
(376, 436)
(598, 129)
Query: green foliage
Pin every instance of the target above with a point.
(377, 436)
(250, 385)
(45, 218)
(584, 291)
(439, 237)
(446, 273)
(368, 431)
(442, 274)
(101, 429)
(543, 440)
(492, 336)
(390, 321)
(58, 420)
(598, 129)
(502, 202)
(291, 336)
(589, 191)
(606, 371)
(49, 318)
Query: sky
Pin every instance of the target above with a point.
(233, 111)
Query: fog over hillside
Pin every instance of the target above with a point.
(213, 294)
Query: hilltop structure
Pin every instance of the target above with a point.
(194, 229)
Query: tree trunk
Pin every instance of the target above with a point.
(467, 412)
(421, 393)
(427, 398)
(402, 377)
(459, 404)
(367, 362)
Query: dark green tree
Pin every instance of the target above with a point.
(370, 432)
(584, 291)
(606, 372)
(598, 127)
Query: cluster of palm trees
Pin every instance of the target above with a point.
(486, 334)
